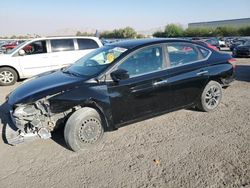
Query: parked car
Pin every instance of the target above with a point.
(201, 42)
(236, 43)
(11, 45)
(213, 42)
(242, 50)
(2, 43)
(43, 54)
(115, 85)
(228, 41)
(222, 42)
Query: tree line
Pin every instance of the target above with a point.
(123, 33)
(173, 30)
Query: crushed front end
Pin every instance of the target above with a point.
(32, 121)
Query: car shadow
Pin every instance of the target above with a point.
(4, 121)
(58, 137)
(243, 73)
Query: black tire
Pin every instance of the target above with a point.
(8, 76)
(210, 97)
(77, 131)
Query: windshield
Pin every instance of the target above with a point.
(96, 61)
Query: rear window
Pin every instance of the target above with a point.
(204, 52)
(59, 45)
(84, 44)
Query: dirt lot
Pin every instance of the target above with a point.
(180, 149)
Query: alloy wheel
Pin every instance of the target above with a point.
(6, 77)
(212, 97)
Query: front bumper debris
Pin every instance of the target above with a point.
(10, 134)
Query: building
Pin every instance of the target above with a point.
(222, 23)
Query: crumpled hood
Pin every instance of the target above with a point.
(49, 83)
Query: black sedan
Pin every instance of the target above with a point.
(236, 43)
(116, 85)
(242, 50)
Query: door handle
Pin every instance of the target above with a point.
(201, 73)
(158, 83)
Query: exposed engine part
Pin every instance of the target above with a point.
(36, 119)
(44, 133)
(14, 137)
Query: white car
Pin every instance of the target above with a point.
(43, 54)
(222, 43)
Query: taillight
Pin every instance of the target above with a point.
(233, 62)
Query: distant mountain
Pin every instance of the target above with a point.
(71, 31)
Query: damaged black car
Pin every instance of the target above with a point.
(116, 85)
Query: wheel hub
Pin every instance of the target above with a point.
(6, 77)
(90, 130)
(212, 97)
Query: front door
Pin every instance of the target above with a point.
(137, 96)
(35, 60)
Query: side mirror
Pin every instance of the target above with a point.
(21, 52)
(119, 74)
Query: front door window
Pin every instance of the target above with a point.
(37, 47)
(145, 61)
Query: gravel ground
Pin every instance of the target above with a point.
(181, 149)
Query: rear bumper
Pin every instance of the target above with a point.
(227, 81)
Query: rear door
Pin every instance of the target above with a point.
(188, 72)
(84, 46)
(62, 52)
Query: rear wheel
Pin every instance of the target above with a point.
(83, 129)
(8, 76)
(211, 97)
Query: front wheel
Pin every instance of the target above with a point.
(8, 76)
(83, 129)
(211, 97)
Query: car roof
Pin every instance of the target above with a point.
(134, 43)
(64, 37)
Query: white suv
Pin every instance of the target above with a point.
(43, 54)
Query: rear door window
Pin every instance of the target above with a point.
(58, 45)
(182, 53)
(85, 44)
(205, 53)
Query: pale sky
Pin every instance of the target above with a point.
(49, 16)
